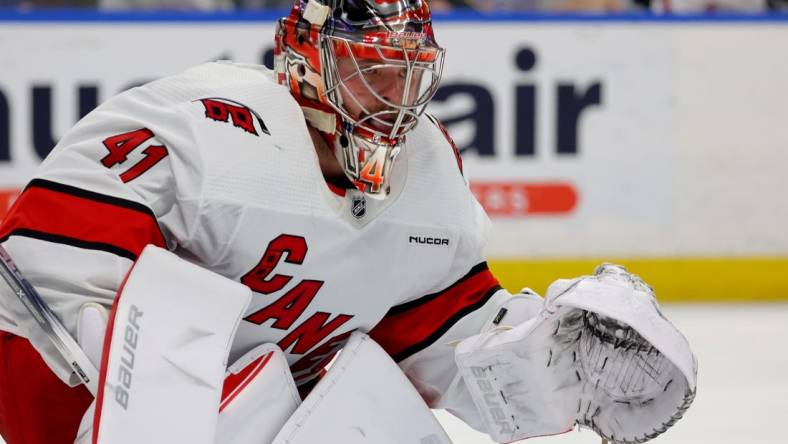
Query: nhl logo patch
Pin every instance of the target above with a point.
(359, 207)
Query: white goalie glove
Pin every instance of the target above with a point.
(600, 354)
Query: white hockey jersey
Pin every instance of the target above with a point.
(217, 165)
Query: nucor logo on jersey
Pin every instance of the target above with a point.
(493, 400)
(428, 240)
(128, 356)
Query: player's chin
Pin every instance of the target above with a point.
(381, 127)
(382, 123)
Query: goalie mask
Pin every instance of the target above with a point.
(363, 72)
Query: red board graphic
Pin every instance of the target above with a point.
(519, 199)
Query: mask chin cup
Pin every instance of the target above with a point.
(367, 161)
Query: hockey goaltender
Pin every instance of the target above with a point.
(199, 248)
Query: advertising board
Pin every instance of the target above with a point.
(659, 144)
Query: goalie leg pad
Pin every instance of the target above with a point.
(364, 398)
(259, 396)
(165, 353)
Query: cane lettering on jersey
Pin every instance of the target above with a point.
(287, 309)
(317, 359)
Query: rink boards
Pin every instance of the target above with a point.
(661, 144)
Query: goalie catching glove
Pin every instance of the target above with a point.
(600, 354)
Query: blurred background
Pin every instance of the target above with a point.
(651, 133)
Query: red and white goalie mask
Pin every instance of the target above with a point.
(363, 71)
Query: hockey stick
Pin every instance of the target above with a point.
(69, 348)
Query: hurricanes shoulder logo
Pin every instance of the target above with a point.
(229, 111)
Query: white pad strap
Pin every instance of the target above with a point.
(364, 398)
(91, 329)
(166, 351)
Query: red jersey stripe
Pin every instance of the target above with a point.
(64, 214)
(411, 327)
